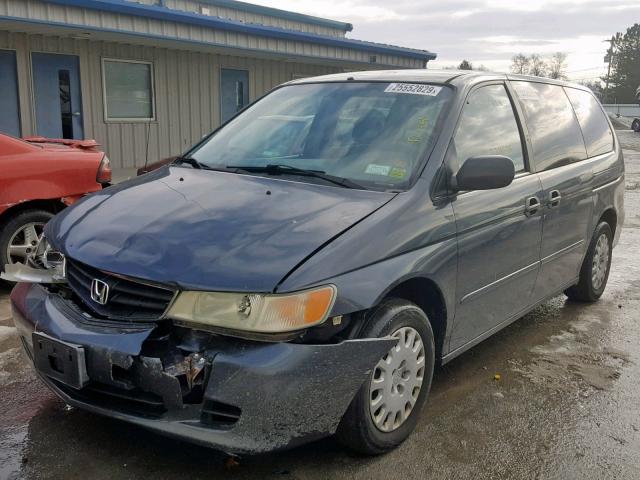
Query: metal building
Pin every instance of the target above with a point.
(148, 78)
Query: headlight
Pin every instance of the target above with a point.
(260, 313)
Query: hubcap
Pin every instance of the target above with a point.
(23, 242)
(600, 262)
(396, 381)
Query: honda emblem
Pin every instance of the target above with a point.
(99, 291)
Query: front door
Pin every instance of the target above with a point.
(234, 92)
(58, 103)
(559, 155)
(498, 230)
(10, 117)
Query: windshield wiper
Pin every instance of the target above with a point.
(190, 161)
(202, 166)
(280, 169)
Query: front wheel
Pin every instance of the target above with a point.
(594, 272)
(386, 409)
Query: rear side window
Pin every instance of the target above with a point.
(555, 134)
(488, 127)
(595, 126)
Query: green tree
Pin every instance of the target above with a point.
(595, 86)
(465, 65)
(624, 75)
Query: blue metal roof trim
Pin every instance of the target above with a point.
(85, 28)
(276, 12)
(162, 13)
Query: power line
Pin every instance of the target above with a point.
(584, 69)
(584, 78)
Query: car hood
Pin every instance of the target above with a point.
(210, 230)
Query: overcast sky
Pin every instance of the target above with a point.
(484, 32)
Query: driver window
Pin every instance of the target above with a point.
(488, 127)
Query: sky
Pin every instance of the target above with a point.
(485, 32)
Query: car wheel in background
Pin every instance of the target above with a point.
(19, 235)
(594, 272)
(635, 125)
(386, 409)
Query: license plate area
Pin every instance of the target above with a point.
(62, 361)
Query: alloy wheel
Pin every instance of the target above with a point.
(23, 242)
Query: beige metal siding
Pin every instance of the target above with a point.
(186, 92)
(41, 11)
(247, 17)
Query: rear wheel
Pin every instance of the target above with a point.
(386, 409)
(635, 125)
(19, 236)
(594, 272)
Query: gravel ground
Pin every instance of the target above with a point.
(567, 404)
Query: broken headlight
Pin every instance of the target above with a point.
(259, 313)
(45, 265)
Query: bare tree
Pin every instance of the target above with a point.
(557, 66)
(520, 64)
(538, 67)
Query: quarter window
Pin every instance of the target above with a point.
(555, 134)
(595, 126)
(488, 127)
(128, 90)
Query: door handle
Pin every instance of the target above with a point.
(532, 205)
(76, 114)
(554, 198)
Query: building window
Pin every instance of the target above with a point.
(64, 87)
(128, 90)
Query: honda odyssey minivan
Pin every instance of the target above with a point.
(301, 271)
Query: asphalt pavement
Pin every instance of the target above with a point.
(553, 396)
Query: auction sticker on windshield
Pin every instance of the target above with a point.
(413, 89)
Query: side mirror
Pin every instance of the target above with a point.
(486, 172)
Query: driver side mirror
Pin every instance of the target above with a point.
(485, 172)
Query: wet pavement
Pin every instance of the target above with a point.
(566, 404)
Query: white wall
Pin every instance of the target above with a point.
(623, 109)
(195, 6)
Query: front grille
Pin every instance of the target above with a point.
(219, 415)
(128, 300)
(131, 402)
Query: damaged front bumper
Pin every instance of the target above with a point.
(235, 395)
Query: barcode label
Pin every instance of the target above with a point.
(413, 89)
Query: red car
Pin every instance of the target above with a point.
(38, 178)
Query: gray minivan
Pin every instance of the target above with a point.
(302, 270)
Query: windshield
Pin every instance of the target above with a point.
(373, 134)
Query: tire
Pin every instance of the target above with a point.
(635, 125)
(12, 225)
(594, 272)
(358, 430)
